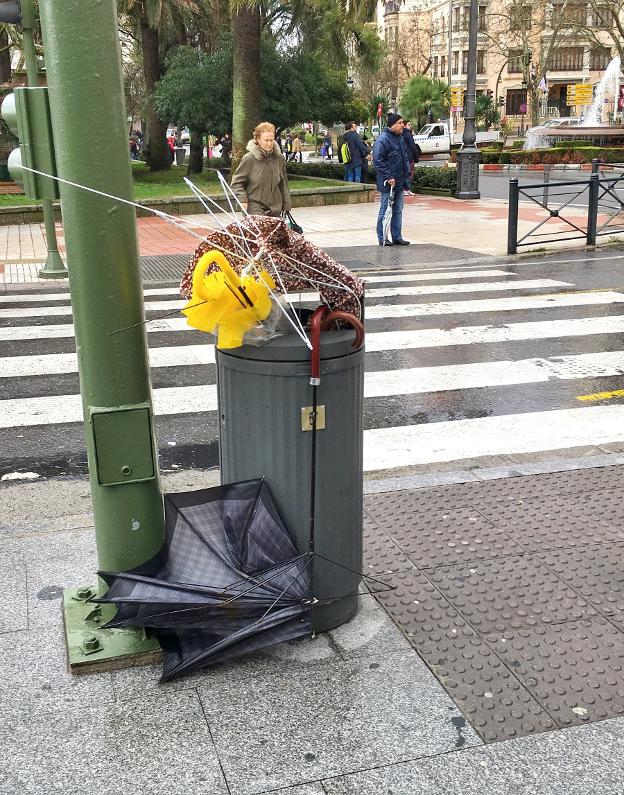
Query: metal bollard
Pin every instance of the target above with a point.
(512, 218)
(592, 209)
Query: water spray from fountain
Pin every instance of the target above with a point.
(608, 86)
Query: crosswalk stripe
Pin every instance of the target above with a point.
(479, 287)
(41, 298)
(508, 434)
(56, 363)
(383, 383)
(494, 305)
(166, 306)
(376, 312)
(470, 335)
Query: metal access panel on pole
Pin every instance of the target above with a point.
(83, 66)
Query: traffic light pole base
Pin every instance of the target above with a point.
(90, 647)
(54, 267)
(468, 173)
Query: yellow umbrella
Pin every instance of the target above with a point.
(226, 300)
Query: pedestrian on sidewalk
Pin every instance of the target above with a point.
(260, 182)
(357, 151)
(392, 166)
(327, 143)
(226, 146)
(412, 152)
(296, 150)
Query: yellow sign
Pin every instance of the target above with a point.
(579, 94)
(457, 97)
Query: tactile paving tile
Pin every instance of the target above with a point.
(419, 609)
(596, 572)
(381, 556)
(488, 492)
(491, 698)
(558, 522)
(508, 593)
(574, 670)
(439, 537)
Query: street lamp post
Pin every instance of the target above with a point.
(468, 155)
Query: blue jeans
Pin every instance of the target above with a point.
(353, 173)
(397, 215)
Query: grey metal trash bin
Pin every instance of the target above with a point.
(263, 394)
(180, 154)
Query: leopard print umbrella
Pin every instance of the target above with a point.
(300, 264)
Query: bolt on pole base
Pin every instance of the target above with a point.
(91, 648)
(54, 267)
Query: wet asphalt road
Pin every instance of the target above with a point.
(191, 439)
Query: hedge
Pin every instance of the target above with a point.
(571, 153)
(424, 177)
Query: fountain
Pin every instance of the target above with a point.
(592, 128)
(608, 85)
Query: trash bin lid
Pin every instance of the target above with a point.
(290, 348)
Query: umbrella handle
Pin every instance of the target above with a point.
(340, 314)
(315, 334)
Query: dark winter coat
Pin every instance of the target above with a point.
(410, 145)
(357, 147)
(391, 161)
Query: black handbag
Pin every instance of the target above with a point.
(292, 224)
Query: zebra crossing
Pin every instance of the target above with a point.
(490, 362)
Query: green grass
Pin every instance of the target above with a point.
(160, 184)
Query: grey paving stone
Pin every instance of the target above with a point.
(13, 593)
(286, 659)
(35, 679)
(418, 481)
(53, 562)
(155, 746)
(47, 525)
(341, 718)
(370, 633)
(315, 788)
(569, 762)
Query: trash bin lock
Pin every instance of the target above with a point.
(265, 400)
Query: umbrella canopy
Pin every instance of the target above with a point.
(386, 221)
(228, 579)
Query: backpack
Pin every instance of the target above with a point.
(345, 152)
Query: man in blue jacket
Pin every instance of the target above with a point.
(392, 165)
(358, 151)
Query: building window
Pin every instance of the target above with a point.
(568, 14)
(520, 17)
(435, 65)
(465, 62)
(602, 17)
(515, 62)
(515, 98)
(599, 59)
(481, 62)
(465, 20)
(443, 66)
(456, 13)
(568, 59)
(456, 62)
(482, 10)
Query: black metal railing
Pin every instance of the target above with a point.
(561, 202)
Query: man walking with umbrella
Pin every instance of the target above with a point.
(392, 167)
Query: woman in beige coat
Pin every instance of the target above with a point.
(260, 181)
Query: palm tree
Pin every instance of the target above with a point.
(159, 25)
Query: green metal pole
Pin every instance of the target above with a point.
(54, 267)
(83, 64)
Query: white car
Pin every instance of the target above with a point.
(567, 122)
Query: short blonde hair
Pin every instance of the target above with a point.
(264, 126)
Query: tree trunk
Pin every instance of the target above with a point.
(157, 153)
(5, 58)
(246, 100)
(196, 157)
